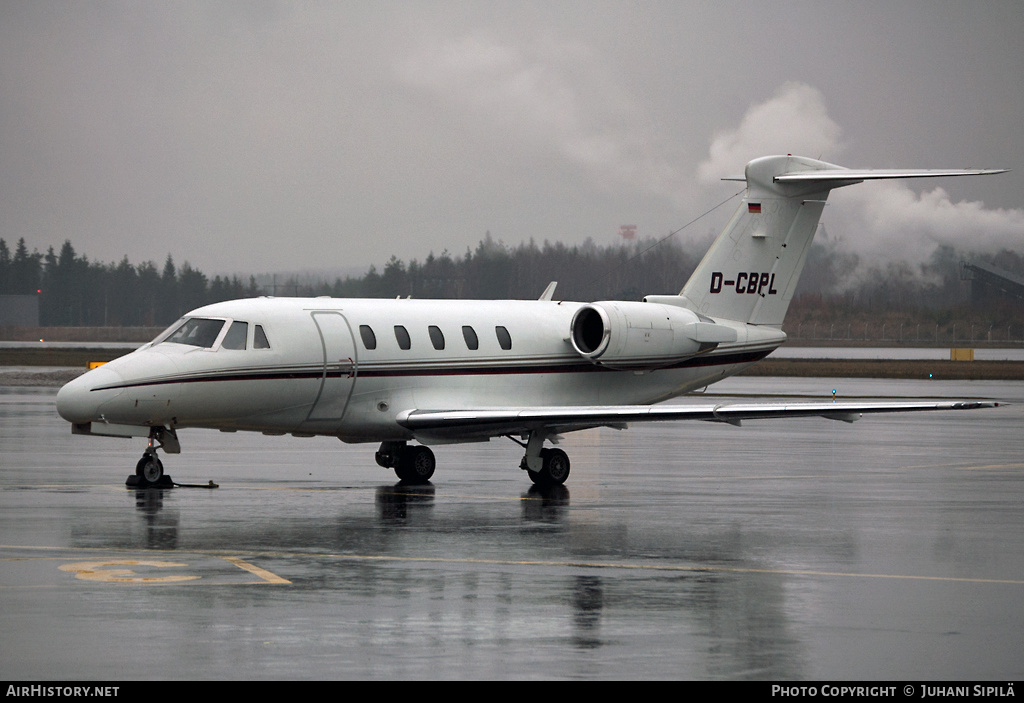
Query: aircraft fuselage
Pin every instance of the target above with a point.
(347, 368)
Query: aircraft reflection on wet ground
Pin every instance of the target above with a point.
(806, 549)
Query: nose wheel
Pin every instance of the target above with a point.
(149, 471)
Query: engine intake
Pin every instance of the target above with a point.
(590, 331)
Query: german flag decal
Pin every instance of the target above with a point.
(754, 208)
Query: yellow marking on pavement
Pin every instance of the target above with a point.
(992, 467)
(556, 564)
(118, 571)
(115, 570)
(267, 576)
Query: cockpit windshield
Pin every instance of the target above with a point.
(195, 331)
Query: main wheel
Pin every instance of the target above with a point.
(415, 464)
(149, 469)
(554, 470)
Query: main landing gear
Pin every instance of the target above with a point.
(149, 472)
(554, 468)
(411, 464)
(546, 466)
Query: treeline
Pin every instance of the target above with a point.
(74, 291)
(77, 292)
(835, 285)
(495, 271)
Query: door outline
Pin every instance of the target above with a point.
(340, 366)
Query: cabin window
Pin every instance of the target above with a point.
(369, 338)
(235, 338)
(402, 335)
(436, 337)
(259, 338)
(504, 338)
(469, 334)
(194, 331)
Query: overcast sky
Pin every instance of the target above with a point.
(286, 136)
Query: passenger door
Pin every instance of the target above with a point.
(339, 371)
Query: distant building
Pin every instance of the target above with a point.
(990, 284)
(19, 310)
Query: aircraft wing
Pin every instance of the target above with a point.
(493, 422)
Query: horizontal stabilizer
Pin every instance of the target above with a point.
(871, 174)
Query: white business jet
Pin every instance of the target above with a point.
(448, 371)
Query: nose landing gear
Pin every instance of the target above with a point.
(149, 469)
(149, 472)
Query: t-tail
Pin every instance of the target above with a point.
(751, 271)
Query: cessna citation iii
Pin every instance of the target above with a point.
(446, 371)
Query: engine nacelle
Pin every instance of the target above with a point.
(642, 335)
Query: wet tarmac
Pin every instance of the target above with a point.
(889, 353)
(888, 549)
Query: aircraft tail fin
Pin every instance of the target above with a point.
(751, 271)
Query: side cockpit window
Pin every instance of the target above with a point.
(235, 338)
(194, 331)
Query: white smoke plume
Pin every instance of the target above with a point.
(890, 220)
(793, 121)
(882, 221)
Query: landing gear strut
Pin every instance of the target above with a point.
(411, 464)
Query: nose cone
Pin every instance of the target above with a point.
(82, 400)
